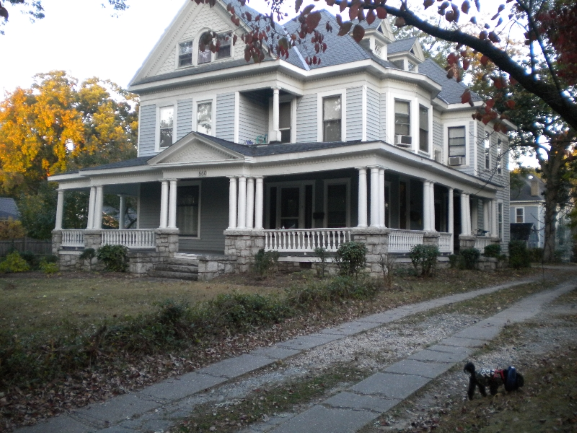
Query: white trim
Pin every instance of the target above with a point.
(320, 124)
(191, 183)
(177, 59)
(347, 182)
(523, 215)
(455, 124)
(160, 105)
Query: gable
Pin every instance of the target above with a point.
(191, 21)
(193, 149)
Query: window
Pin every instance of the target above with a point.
(457, 142)
(412, 66)
(285, 122)
(500, 218)
(185, 54)
(423, 129)
(402, 118)
(332, 119)
(204, 118)
(223, 46)
(187, 209)
(204, 53)
(166, 126)
(336, 205)
(499, 156)
(487, 144)
(519, 214)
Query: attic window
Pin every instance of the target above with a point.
(204, 53)
(399, 64)
(412, 51)
(185, 54)
(223, 46)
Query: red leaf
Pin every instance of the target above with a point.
(345, 28)
(361, 15)
(513, 81)
(484, 60)
(353, 11)
(248, 16)
(466, 6)
(400, 22)
(358, 33)
(510, 103)
(490, 103)
(371, 17)
(330, 2)
(478, 5)
(466, 64)
(381, 12)
(234, 38)
(247, 55)
(493, 37)
(451, 73)
(473, 20)
(452, 59)
(308, 9)
(339, 20)
(428, 3)
(313, 21)
(342, 6)
(466, 97)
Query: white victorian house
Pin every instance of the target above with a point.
(372, 144)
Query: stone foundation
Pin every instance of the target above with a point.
(377, 242)
(140, 262)
(243, 245)
(210, 267)
(466, 242)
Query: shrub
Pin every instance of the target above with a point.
(519, 256)
(424, 259)
(351, 258)
(242, 311)
(14, 263)
(454, 261)
(388, 265)
(322, 254)
(48, 268)
(265, 262)
(469, 258)
(536, 254)
(492, 250)
(31, 258)
(114, 257)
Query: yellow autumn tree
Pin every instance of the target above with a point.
(58, 125)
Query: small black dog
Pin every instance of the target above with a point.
(493, 379)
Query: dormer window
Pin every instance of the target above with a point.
(204, 53)
(222, 46)
(185, 54)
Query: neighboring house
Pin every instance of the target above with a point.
(528, 211)
(528, 217)
(373, 144)
(8, 209)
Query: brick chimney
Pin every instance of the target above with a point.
(535, 186)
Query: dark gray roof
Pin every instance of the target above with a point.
(524, 192)
(135, 162)
(8, 208)
(452, 91)
(401, 46)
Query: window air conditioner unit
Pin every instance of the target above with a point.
(457, 160)
(403, 140)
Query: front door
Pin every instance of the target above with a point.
(289, 207)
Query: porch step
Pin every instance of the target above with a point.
(181, 268)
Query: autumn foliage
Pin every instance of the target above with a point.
(58, 125)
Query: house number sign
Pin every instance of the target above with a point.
(201, 173)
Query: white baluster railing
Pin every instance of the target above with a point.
(129, 238)
(72, 238)
(445, 240)
(481, 242)
(401, 241)
(305, 240)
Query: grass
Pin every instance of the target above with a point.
(31, 305)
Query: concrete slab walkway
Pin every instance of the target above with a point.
(155, 408)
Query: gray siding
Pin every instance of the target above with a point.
(383, 116)
(373, 115)
(184, 117)
(354, 113)
(307, 119)
(149, 211)
(225, 116)
(147, 130)
(253, 118)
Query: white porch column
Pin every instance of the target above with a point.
(432, 206)
(375, 196)
(362, 206)
(465, 215)
(232, 194)
(121, 211)
(164, 204)
(258, 205)
(250, 202)
(382, 197)
(426, 205)
(91, 204)
(172, 205)
(275, 115)
(98, 208)
(494, 230)
(451, 218)
(59, 210)
(242, 202)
